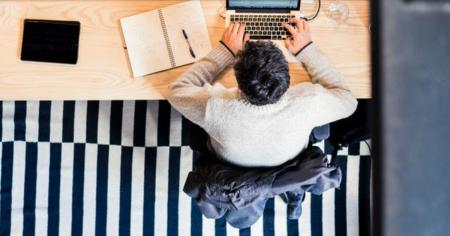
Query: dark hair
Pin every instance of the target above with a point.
(262, 72)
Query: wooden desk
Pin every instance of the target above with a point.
(103, 73)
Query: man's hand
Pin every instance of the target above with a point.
(235, 37)
(301, 35)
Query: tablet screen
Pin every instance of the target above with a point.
(50, 41)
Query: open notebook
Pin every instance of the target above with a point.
(155, 40)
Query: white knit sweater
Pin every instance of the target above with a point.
(249, 135)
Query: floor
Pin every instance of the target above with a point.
(108, 168)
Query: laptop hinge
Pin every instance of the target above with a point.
(262, 11)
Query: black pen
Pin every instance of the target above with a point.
(190, 46)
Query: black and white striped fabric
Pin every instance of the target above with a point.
(117, 168)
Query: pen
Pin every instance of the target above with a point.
(190, 46)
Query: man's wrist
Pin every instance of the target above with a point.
(303, 48)
(222, 56)
(232, 53)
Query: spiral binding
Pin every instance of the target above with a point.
(166, 37)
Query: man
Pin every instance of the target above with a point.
(263, 122)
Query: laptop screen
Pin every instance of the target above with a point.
(264, 4)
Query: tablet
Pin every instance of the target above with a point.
(50, 41)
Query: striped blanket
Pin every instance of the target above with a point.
(118, 168)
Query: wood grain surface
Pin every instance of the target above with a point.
(103, 71)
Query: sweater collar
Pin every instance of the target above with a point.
(269, 107)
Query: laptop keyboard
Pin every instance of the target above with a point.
(264, 26)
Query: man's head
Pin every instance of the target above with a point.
(262, 73)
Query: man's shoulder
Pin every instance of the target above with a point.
(221, 93)
(303, 91)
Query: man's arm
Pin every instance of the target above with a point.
(330, 97)
(190, 93)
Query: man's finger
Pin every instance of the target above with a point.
(246, 37)
(241, 31)
(235, 28)
(291, 30)
(299, 23)
(230, 27)
(300, 26)
(307, 27)
(304, 23)
(295, 20)
(287, 43)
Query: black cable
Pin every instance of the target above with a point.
(317, 12)
(370, 148)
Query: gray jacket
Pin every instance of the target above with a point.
(240, 194)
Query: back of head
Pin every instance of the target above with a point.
(262, 73)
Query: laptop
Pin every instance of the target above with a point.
(264, 19)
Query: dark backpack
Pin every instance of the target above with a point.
(351, 130)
